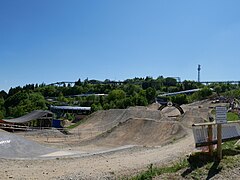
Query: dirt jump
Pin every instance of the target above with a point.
(140, 132)
(135, 126)
(109, 143)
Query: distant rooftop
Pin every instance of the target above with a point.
(181, 92)
(75, 108)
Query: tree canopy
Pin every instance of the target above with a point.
(131, 92)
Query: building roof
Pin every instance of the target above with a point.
(70, 108)
(37, 114)
(181, 92)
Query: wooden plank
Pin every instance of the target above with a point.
(215, 141)
(210, 138)
(219, 141)
(204, 124)
(213, 123)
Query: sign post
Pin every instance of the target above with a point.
(210, 138)
(221, 118)
(219, 141)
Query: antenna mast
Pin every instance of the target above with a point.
(199, 69)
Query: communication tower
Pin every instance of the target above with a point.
(199, 69)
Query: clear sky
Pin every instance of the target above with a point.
(64, 40)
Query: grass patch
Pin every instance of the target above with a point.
(76, 124)
(203, 166)
(153, 171)
(231, 116)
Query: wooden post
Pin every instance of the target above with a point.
(210, 138)
(219, 141)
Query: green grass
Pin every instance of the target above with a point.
(153, 171)
(199, 165)
(75, 125)
(232, 116)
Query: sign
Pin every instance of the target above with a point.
(221, 114)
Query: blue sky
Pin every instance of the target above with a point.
(64, 40)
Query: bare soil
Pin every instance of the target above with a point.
(111, 144)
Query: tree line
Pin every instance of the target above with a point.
(132, 92)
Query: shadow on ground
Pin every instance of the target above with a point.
(201, 159)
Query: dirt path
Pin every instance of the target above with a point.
(107, 165)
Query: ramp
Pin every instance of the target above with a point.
(14, 147)
(29, 117)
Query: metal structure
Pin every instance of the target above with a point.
(170, 104)
(71, 109)
(37, 118)
(60, 111)
(220, 82)
(125, 82)
(180, 92)
(199, 69)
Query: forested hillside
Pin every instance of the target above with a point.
(131, 92)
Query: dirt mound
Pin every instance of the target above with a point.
(197, 112)
(154, 106)
(114, 116)
(13, 146)
(144, 132)
(102, 121)
(140, 125)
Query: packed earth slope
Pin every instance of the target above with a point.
(142, 132)
(13, 146)
(103, 121)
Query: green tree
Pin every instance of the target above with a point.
(131, 89)
(3, 94)
(202, 94)
(170, 81)
(179, 99)
(218, 89)
(116, 95)
(187, 85)
(61, 98)
(21, 103)
(2, 108)
(96, 107)
(150, 95)
(37, 101)
(17, 111)
(140, 98)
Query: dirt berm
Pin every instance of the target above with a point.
(106, 119)
(132, 126)
(143, 132)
